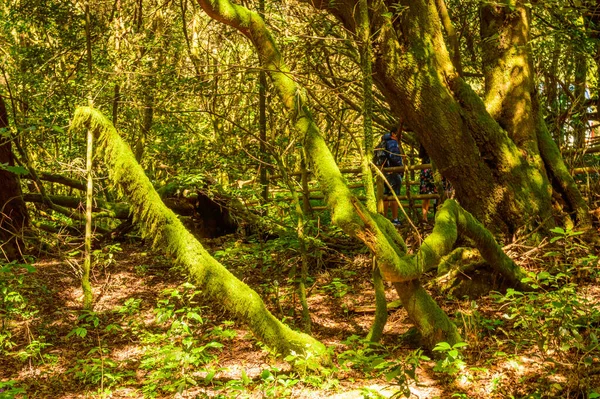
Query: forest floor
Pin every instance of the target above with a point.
(150, 334)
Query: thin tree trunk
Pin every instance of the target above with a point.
(86, 286)
(364, 37)
(262, 120)
(115, 104)
(451, 33)
(580, 108)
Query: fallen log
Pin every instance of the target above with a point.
(103, 208)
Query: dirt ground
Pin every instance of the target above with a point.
(496, 366)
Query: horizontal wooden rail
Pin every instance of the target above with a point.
(588, 169)
(588, 150)
(398, 169)
(404, 205)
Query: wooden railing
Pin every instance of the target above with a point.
(411, 200)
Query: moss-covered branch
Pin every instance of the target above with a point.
(106, 209)
(559, 173)
(162, 225)
(350, 215)
(347, 212)
(452, 220)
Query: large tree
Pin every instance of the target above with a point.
(496, 151)
(13, 213)
(354, 218)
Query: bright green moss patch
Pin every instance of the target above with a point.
(160, 224)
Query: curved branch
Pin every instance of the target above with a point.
(163, 226)
(347, 212)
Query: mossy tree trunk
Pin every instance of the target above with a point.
(510, 98)
(13, 212)
(162, 225)
(366, 54)
(508, 184)
(347, 212)
(353, 217)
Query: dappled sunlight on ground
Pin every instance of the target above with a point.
(341, 301)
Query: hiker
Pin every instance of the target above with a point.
(427, 184)
(386, 155)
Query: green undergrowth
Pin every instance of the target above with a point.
(537, 344)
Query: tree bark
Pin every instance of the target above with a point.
(507, 186)
(13, 212)
(347, 212)
(106, 209)
(510, 98)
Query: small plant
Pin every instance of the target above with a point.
(179, 357)
(9, 390)
(13, 305)
(363, 354)
(97, 369)
(130, 307)
(276, 384)
(106, 256)
(401, 374)
(337, 288)
(557, 321)
(571, 250)
(141, 270)
(34, 350)
(452, 361)
(88, 319)
(368, 393)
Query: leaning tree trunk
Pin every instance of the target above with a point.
(506, 186)
(13, 212)
(162, 225)
(350, 215)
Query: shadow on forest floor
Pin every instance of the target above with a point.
(151, 335)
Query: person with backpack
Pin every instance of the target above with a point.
(386, 155)
(427, 185)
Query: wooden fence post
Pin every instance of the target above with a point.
(379, 194)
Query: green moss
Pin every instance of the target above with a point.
(559, 172)
(162, 226)
(351, 216)
(424, 312)
(381, 310)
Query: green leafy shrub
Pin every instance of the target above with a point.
(556, 319)
(10, 390)
(451, 362)
(179, 356)
(13, 304)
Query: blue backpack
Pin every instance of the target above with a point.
(380, 154)
(387, 152)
